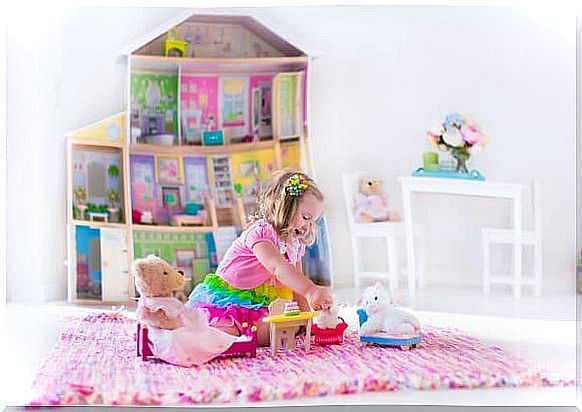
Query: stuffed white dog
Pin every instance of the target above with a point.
(383, 316)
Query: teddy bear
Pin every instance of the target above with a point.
(385, 317)
(370, 203)
(157, 282)
(179, 335)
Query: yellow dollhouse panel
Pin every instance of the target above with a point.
(291, 156)
(110, 130)
(247, 166)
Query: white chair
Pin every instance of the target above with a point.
(390, 231)
(526, 237)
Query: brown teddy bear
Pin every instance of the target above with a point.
(179, 335)
(156, 283)
(370, 202)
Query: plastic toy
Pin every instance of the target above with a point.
(329, 336)
(284, 327)
(173, 45)
(212, 138)
(291, 309)
(328, 327)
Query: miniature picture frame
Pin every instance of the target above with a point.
(169, 170)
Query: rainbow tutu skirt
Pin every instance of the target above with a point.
(228, 306)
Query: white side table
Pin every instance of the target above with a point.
(511, 191)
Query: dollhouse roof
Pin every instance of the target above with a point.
(254, 25)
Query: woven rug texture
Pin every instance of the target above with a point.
(94, 362)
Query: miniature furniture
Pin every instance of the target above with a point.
(525, 237)
(284, 327)
(329, 336)
(103, 217)
(187, 220)
(390, 231)
(171, 43)
(411, 185)
(246, 344)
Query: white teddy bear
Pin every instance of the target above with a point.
(383, 316)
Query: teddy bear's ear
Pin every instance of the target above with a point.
(138, 267)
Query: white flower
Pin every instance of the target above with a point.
(453, 137)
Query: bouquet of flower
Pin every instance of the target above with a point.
(460, 137)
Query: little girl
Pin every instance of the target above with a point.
(264, 262)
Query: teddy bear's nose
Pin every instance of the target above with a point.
(181, 272)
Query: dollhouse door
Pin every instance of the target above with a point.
(115, 273)
(288, 105)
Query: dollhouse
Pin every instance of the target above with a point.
(178, 172)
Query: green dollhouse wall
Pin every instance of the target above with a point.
(154, 93)
(164, 245)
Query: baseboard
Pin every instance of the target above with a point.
(31, 291)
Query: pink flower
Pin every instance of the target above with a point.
(433, 138)
(471, 133)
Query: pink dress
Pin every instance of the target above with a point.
(241, 268)
(242, 287)
(194, 343)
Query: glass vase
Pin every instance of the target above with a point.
(461, 157)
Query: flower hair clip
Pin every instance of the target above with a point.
(296, 185)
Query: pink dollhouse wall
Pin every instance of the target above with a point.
(199, 93)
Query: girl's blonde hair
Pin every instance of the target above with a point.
(278, 207)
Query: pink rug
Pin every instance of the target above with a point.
(95, 362)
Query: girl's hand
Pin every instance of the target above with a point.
(319, 298)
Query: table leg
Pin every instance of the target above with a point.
(273, 339)
(517, 249)
(392, 263)
(308, 336)
(409, 238)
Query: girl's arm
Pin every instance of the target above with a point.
(300, 299)
(288, 274)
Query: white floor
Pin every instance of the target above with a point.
(542, 329)
(448, 299)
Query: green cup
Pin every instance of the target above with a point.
(428, 159)
(432, 168)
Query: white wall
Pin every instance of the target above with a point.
(383, 76)
(388, 74)
(579, 134)
(64, 71)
